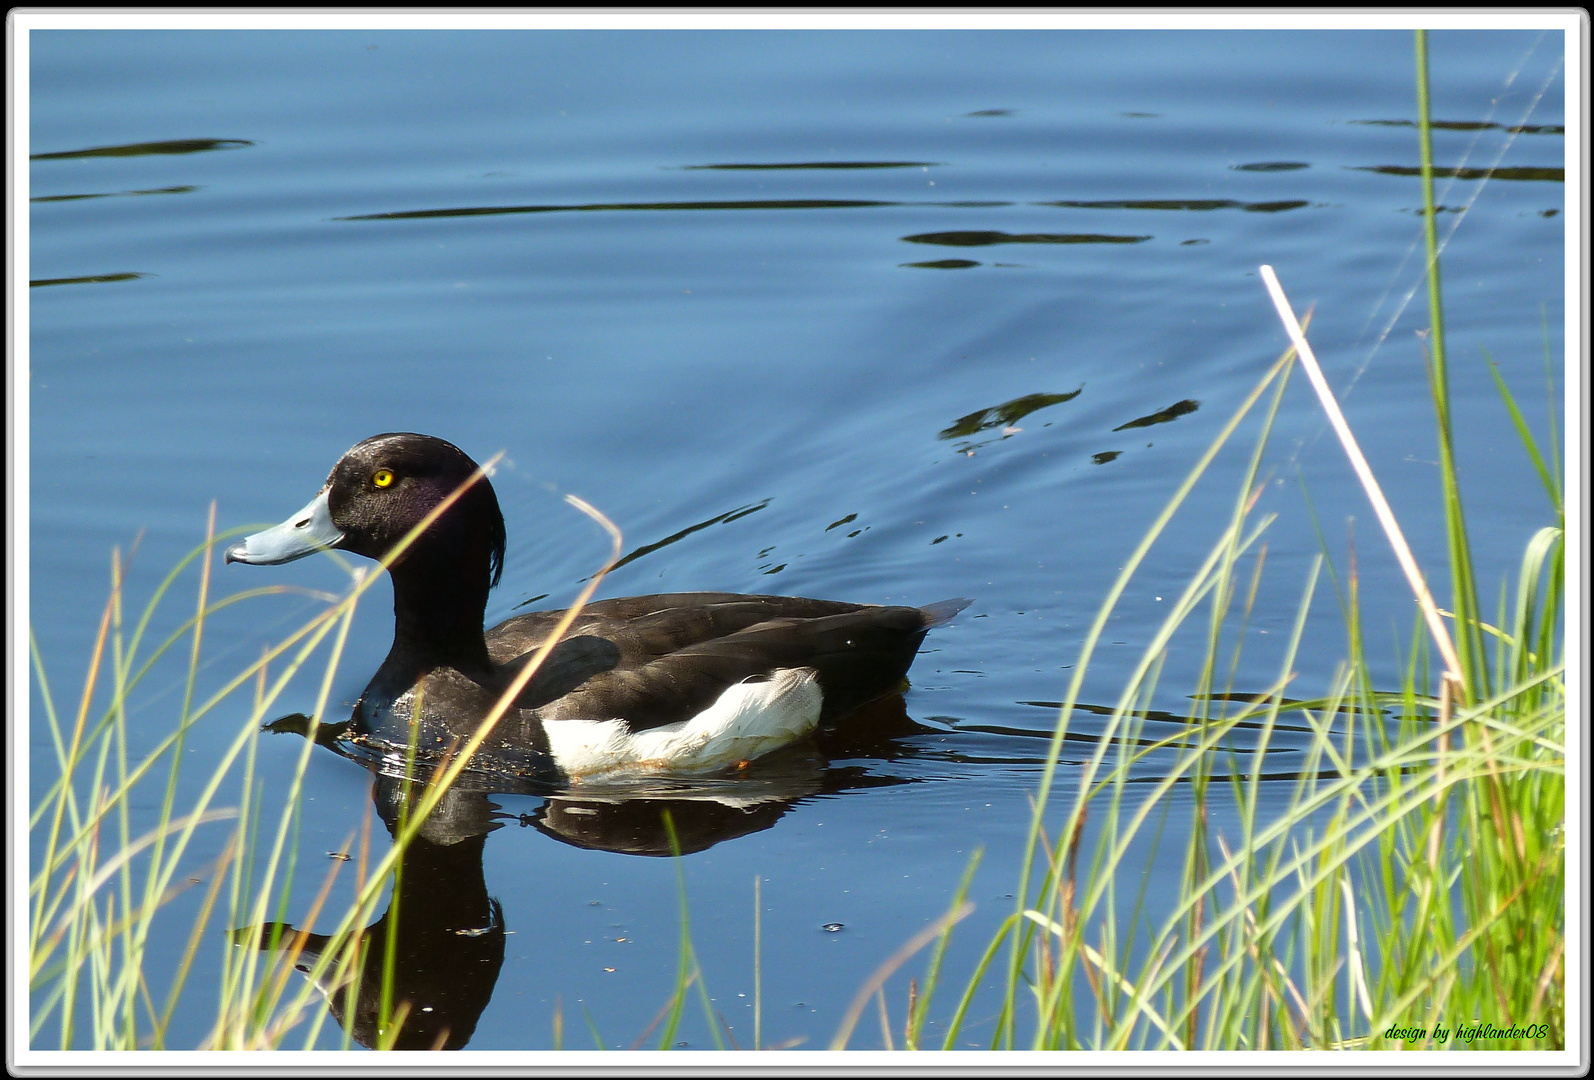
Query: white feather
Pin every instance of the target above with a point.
(749, 719)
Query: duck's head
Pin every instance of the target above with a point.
(376, 494)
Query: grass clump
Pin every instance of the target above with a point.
(1409, 888)
(97, 889)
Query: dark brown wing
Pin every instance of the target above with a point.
(859, 655)
(654, 660)
(644, 628)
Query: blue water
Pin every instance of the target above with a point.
(771, 281)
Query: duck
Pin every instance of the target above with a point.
(687, 683)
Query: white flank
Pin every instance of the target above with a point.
(749, 719)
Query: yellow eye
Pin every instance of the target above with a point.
(382, 478)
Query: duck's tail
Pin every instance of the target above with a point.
(942, 611)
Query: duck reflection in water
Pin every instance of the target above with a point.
(448, 945)
(447, 935)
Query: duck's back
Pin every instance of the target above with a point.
(656, 660)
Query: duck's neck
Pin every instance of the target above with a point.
(437, 619)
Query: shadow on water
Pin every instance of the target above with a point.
(707, 204)
(681, 534)
(180, 189)
(1200, 205)
(987, 237)
(718, 519)
(170, 146)
(1522, 172)
(952, 238)
(88, 279)
(944, 264)
(1472, 125)
(1004, 419)
(1162, 416)
(1001, 418)
(780, 165)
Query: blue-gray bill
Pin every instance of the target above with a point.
(308, 531)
